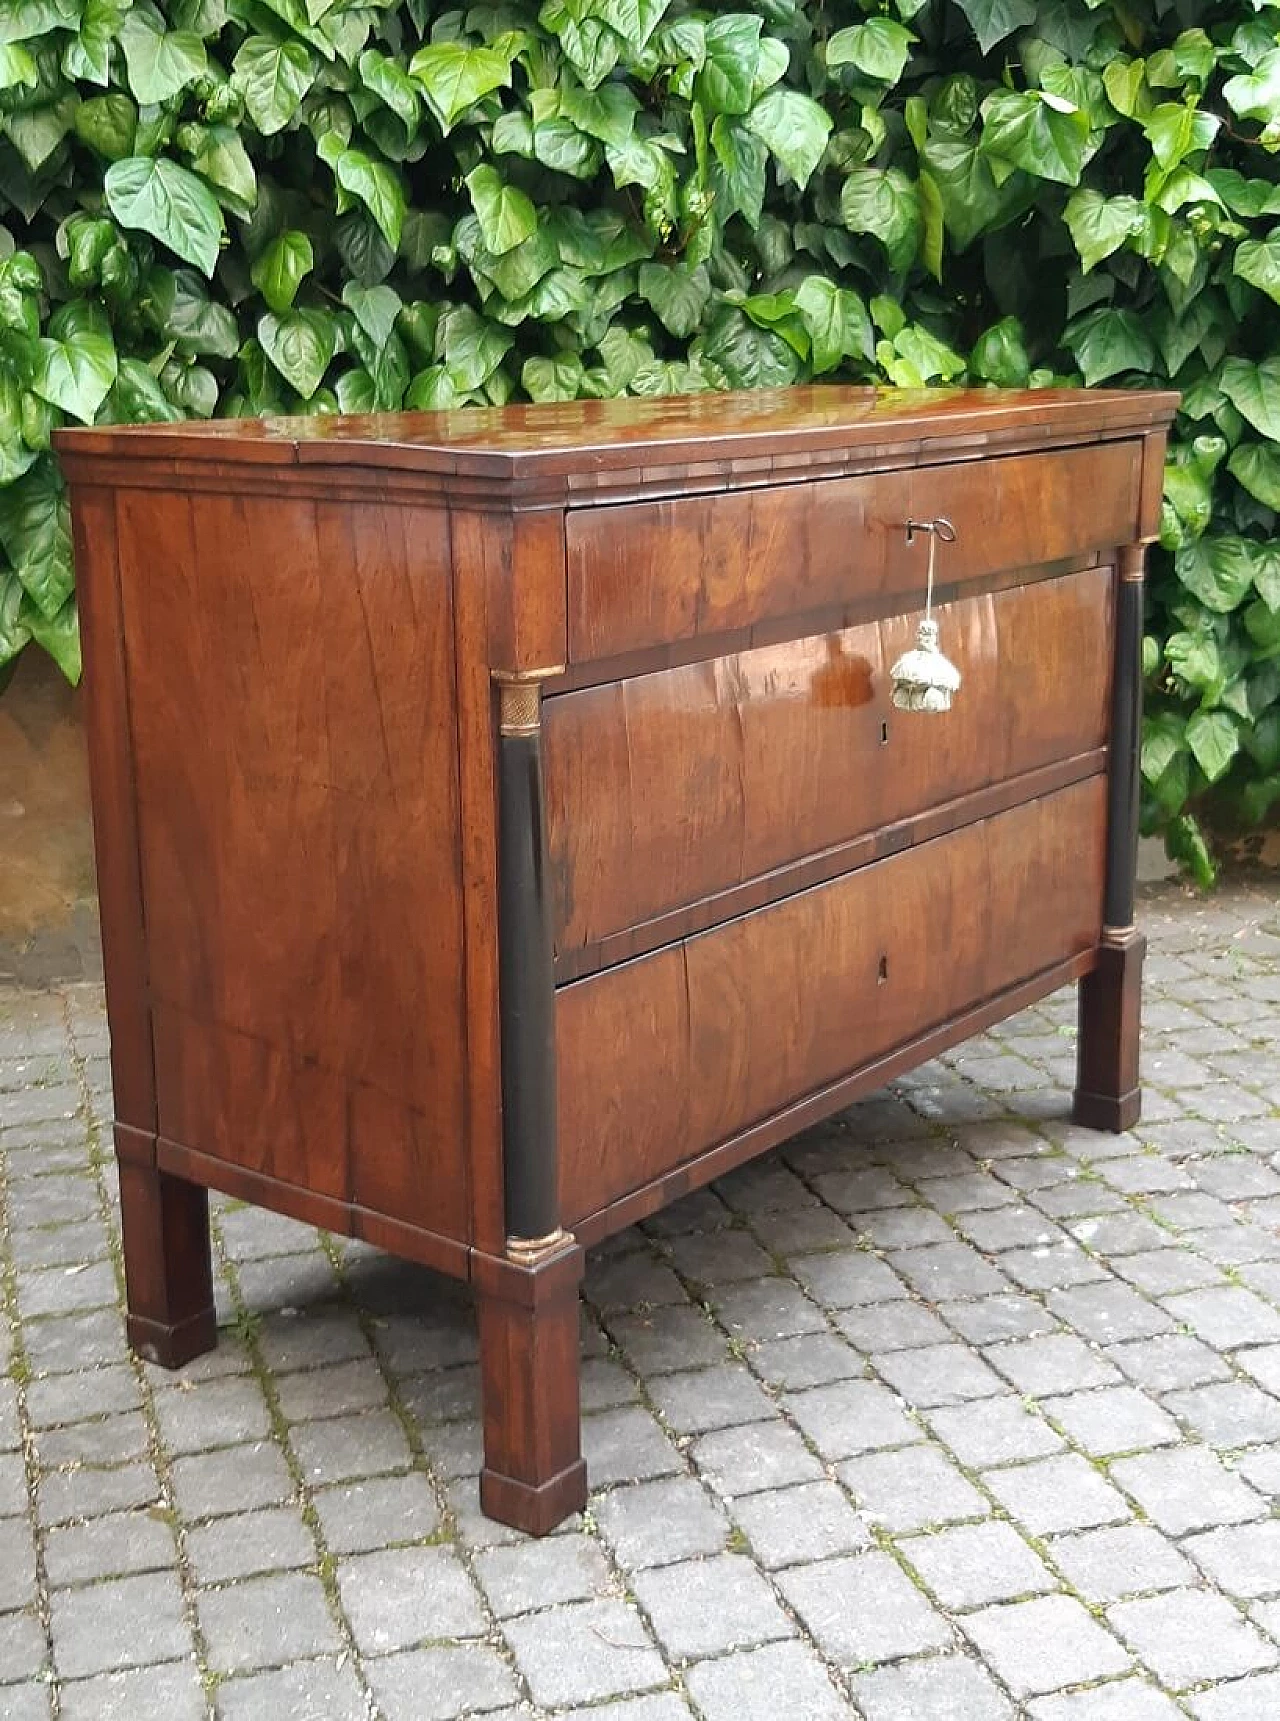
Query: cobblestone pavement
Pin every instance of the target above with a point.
(948, 1411)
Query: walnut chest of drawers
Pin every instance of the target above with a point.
(504, 825)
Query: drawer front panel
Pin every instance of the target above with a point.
(651, 574)
(666, 1056)
(667, 788)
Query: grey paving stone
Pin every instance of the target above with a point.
(584, 1653)
(1053, 1363)
(535, 1574)
(1013, 1226)
(1051, 1267)
(947, 1270)
(343, 1447)
(1188, 1636)
(306, 1691)
(1053, 1494)
(763, 1684)
(403, 1596)
(994, 1431)
(657, 1523)
(936, 1688)
(266, 1622)
(17, 1564)
(801, 1231)
(445, 1395)
(338, 1390)
(61, 1344)
(83, 1493)
(22, 1647)
(470, 1526)
(234, 1479)
(62, 1290)
(718, 1258)
(767, 1308)
(1243, 1560)
(1172, 1361)
(708, 1607)
(863, 1609)
(632, 1280)
(665, 1706)
(214, 1413)
(1187, 1488)
(902, 1324)
(626, 1444)
(738, 1461)
(913, 1226)
(316, 1337)
(665, 1340)
(271, 1539)
(1228, 1413)
(938, 1375)
(173, 1691)
(812, 1522)
(846, 1278)
(439, 1683)
(1161, 1271)
(129, 1622)
(1109, 1312)
(1256, 1698)
(60, 1398)
(26, 1702)
(1042, 1645)
(850, 1417)
(813, 1359)
(910, 1488)
(1105, 1565)
(376, 1512)
(110, 1546)
(1120, 1700)
(710, 1398)
(1111, 1420)
(973, 1565)
(1227, 1317)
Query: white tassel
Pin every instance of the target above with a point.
(924, 679)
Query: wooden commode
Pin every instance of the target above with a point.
(504, 824)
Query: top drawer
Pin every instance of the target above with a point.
(654, 573)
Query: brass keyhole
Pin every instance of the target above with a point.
(882, 973)
(884, 734)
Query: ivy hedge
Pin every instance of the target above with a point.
(274, 206)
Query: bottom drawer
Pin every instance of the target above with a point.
(666, 1056)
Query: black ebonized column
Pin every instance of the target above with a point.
(525, 980)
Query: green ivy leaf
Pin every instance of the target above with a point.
(282, 268)
(1258, 262)
(972, 202)
(377, 187)
(107, 124)
(375, 309)
(837, 322)
(1256, 95)
(174, 206)
(273, 77)
(739, 172)
(992, 20)
(1000, 355)
(456, 76)
(608, 113)
(76, 374)
(553, 379)
(794, 128)
(679, 295)
(1100, 225)
(749, 356)
(505, 214)
(1217, 570)
(1042, 134)
(1257, 466)
(1254, 391)
(1214, 740)
(301, 345)
(725, 84)
(219, 157)
(35, 530)
(879, 49)
(1107, 342)
(472, 348)
(161, 62)
(884, 202)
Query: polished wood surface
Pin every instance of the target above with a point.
(665, 789)
(330, 939)
(649, 573)
(787, 999)
(296, 761)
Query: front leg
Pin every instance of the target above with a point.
(168, 1268)
(533, 1474)
(1107, 1093)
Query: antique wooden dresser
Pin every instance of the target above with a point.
(504, 824)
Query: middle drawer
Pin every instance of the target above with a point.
(673, 788)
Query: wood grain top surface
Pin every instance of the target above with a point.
(521, 442)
